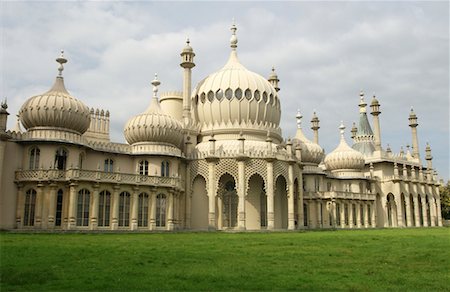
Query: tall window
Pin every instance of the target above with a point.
(143, 210)
(369, 215)
(104, 207)
(305, 215)
(263, 206)
(35, 154)
(165, 168)
(60, 159)
(109, 165)
(59, 207)
(354, 214)
(230, 205)
(80, 160)
(30, 202)
(361, 214)
(316, 184)
(143, 167)
(338, 214)
(346, 214)
(84, 197)
(161, 210)
(124, 209)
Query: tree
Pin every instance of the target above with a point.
(444, 190)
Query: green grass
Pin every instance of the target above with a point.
(365, 260)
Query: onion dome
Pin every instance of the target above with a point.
(235, 98)
(55, 109)
(154, 125)
(311, 152)
(344, 157)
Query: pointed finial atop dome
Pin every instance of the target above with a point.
(342, 129)
(155, 84)
(299, 119)
(362, 103)
(233, 40)
(61, 60)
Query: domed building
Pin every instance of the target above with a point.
(211, 158)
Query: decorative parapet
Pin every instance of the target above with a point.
(339, 195)
(74, 174)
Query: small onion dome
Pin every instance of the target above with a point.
(154, 125)
(311, 152)
(56, 108)
(344, 157)
(188, 48)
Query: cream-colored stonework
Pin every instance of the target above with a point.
(210, 158)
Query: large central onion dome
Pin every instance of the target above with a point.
(311, 152)
(154, 126)
(55, 109)
(235, 99)
(344, 157)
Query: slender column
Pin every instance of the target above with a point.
(319, 214)
(94, 208)
(38, 206)
(270, 197)
(350, 215)
(408, 211)
(152, 225)
(416, 210)
(366, 215)
(134, 208)
(398, 204)
(385, 206)
(372, 214)
(333, 214)
(291, 212)
(170, 208)
(342, 211)
(211, 196)
(358, 215)
(312, 218)
(20, 206)
(241, 192)
(301, 215)
(376, 123)
(72, 206)
(188, 198)
(424, 212)
(220, 215)
(51, 201)
(115, 209)
(438, 209)
(432, 211)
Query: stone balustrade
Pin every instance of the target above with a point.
(339, 195)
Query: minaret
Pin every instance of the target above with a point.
(429, 158)
(415, 140)
(3, 116)
(315, 127)
(187, 62)
(273, 79)
(375, 106)
(354, 131)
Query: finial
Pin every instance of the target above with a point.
(188, 41)
(61, 60)
(233, 40)
(299, 119)
(5, 104)
(155, 84)
(341, 129)
(362, 103)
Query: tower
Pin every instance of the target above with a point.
(273, 79)
(415, 140)
(315, 127)
(187, 62)
(375, 106)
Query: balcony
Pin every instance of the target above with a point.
(70, 175)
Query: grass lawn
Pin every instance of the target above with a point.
(363, 260)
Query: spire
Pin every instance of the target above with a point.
(155, 84)
(315, 127)
(299, 119)
(362, 103)
(364, 138)
(342, 130)
(233, 39)
(17, 128)
(61, 60)
(354, 130)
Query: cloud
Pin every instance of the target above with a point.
(324, 53)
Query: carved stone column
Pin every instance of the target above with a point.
(94, 207)
(241, 193)
(20, 206)
(72, 206)
(51, 201)
(115, 209)
(134, 208)
(270, 196)
(152, 225)
(170, 211)
(291, 212)
(416, 210)
(408, 211)
(424, 212)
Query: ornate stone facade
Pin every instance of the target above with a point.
(212, 158)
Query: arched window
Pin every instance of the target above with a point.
(109, 165)
(165, 168)
(124, 209)
(35, 154)
(30, 203)
(104, 207)
(59, 207)
(84, 197)
(263, 208)
(143, 210)
(305, 215)
(143, 167)
(161, 210)
(60, 159)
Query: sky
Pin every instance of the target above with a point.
(324, 53)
